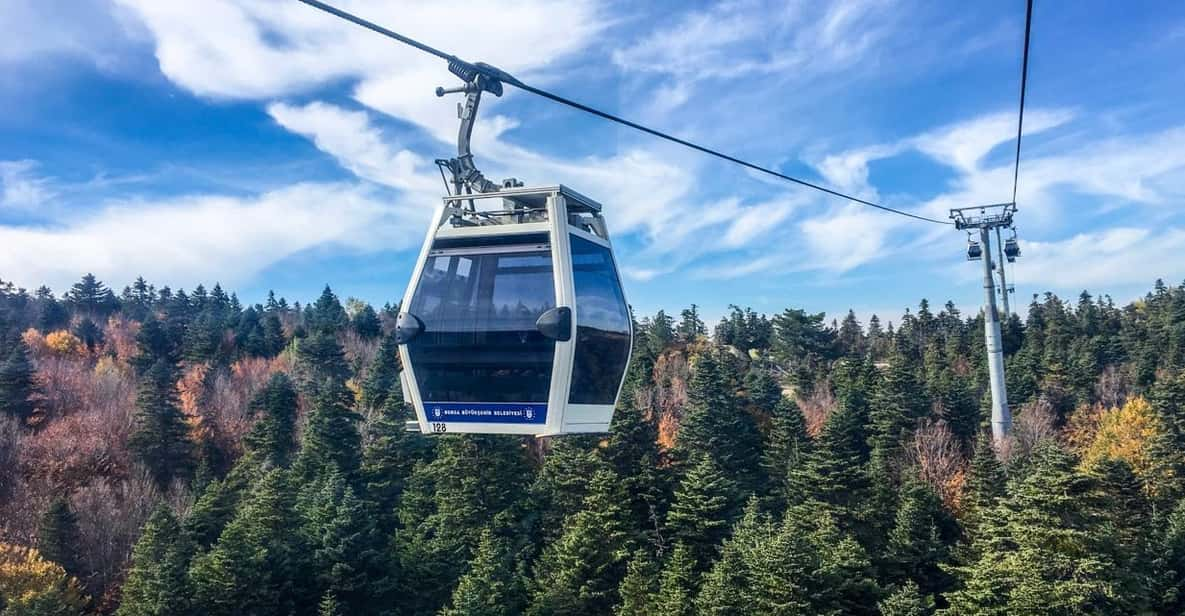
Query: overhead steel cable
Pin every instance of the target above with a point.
(1024, 78)
(510, 80)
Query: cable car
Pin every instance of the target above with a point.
(974, 250)
(515, 320)
(1011, 249)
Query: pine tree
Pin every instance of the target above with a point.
(491, 587)
(702, 510)
(985, 484)
(727, 587)
(270, 440)
(581, 571)
(350, 556)
(677, 586)
(907, 601)
(833, 472)
(161, 437)
(391, 454)
(787, 447)
(563, 482)
(91, 297)
(919, 544)
(158, 582)
(1169, 566)
(58, 537)
(331, 438)
(897, 406)
(1038, 551)
(327, 314)
(632, 452)
(446, 504)
(366, 323)
(715, 425)
(637, 587)
(260, 564)
(18, 384)
(383, 376)
(690, 325)
(329, 606)
(320, 362)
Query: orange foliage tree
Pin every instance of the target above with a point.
(64, 344)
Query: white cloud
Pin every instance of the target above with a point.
(191, 239)
(963, 145)
(744, 38)
(847, 238)
(20, 188)
(1100, 259)
(357, 145)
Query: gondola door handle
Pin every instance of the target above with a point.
(556, 323)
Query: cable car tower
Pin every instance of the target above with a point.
(515, 320)
(986, 219)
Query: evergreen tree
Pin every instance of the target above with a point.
(321, 362)
(702, 511)
(58, 537)
(366, 323)
(1038, 551)
(727, 587)
(91, 297)
(491, 587)
(907, 601)
(215, 508)
(562, 484)
(677, 586)
(391, 454)
(259, 564)
(446, 504)
(897, 406)
(985, 484)
(383, 376)
(690, 325)
(787, 447)
(715, 425)
(331, 438)
(632, 452)
(329, 606)
(270, 440)
(833, 471)
(161, 436)
(638, 587)
(326, 314)
(581, 571)
(158, 582)
(350, 557)
(18, 384)
(919, 544)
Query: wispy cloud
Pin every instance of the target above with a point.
(21, 188)
(187, 240)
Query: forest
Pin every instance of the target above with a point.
(173, 452)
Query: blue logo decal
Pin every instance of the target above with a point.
(487, 412)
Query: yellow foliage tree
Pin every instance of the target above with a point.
(35, 342)
(1126, 434)
(29, 584)
(64, 343)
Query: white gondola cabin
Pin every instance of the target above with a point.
(515, 321)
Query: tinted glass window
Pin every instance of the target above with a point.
(479, 342)
(602, 325)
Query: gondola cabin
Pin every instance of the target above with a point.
(515, 321)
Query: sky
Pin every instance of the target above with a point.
(266, 145)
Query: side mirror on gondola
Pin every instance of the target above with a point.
(556, 323)
(407, 327)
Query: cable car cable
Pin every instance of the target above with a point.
(510, 80)
(1024, 78)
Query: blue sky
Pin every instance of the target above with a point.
(266, 145)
